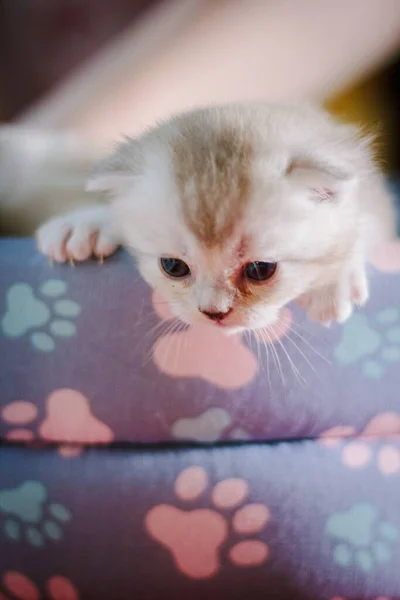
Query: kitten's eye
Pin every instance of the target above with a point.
(259, 271)
(174, 267)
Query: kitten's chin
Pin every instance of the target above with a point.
(224, 328)
(232, 329)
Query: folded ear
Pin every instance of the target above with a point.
(116, 173)
(323, 183)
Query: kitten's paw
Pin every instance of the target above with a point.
(359, 288)
(79, 235)
(325, 305)
(335, 302)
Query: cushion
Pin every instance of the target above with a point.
(91, 356)
(286, 521)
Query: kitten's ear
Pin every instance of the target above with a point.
(116, 173)
(323, 183)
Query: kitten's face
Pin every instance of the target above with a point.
(243, 283)
(228, 232)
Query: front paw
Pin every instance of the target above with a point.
(77, 236)
(335, 302)
(324, 305)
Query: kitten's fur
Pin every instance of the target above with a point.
(224, 186)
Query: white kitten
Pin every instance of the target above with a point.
(234, 211)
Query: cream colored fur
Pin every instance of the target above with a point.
(224, 186)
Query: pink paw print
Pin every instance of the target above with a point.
(195, 537)
(69, 420)
(17, 585)
(386, 258)
(206, 352)
(358, 452)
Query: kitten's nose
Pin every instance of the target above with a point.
(215, 315)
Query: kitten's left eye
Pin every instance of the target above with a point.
(259, 271)
(174, 267)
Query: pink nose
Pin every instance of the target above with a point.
(216, 315)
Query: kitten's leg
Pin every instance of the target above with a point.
(334, 302)
(359, 287)
(79, 235)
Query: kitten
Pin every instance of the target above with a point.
(234, 211)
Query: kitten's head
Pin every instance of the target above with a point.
(234, 211)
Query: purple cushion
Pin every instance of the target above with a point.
(89, 356)
(87, 359)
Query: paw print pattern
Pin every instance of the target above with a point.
(359, 451)
(207, 427)
(68, 419)
(386, 258)
(28, 314)
(374, 344)
(361, 538)
(21, 587)
(195, 537)
(220, 359)
(211, 425)
(27, 514)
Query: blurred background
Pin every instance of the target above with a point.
(104, 68)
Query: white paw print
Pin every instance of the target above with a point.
(28, 314)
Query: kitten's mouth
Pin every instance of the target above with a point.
(224, 325)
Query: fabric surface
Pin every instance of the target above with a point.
(306, 508)
(285, 521)
(92, 357)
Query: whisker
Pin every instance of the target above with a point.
(286, 335)
(310, 346)
(165, 329)
(274, 352)
(293, 324)
(267, 357)
(247, 335)
(148, 338)
(169, 336)
(265, 332)
(291, 363)
(159, 328)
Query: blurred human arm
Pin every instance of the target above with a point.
(192, 52)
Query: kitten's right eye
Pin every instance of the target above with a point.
(174, 267)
